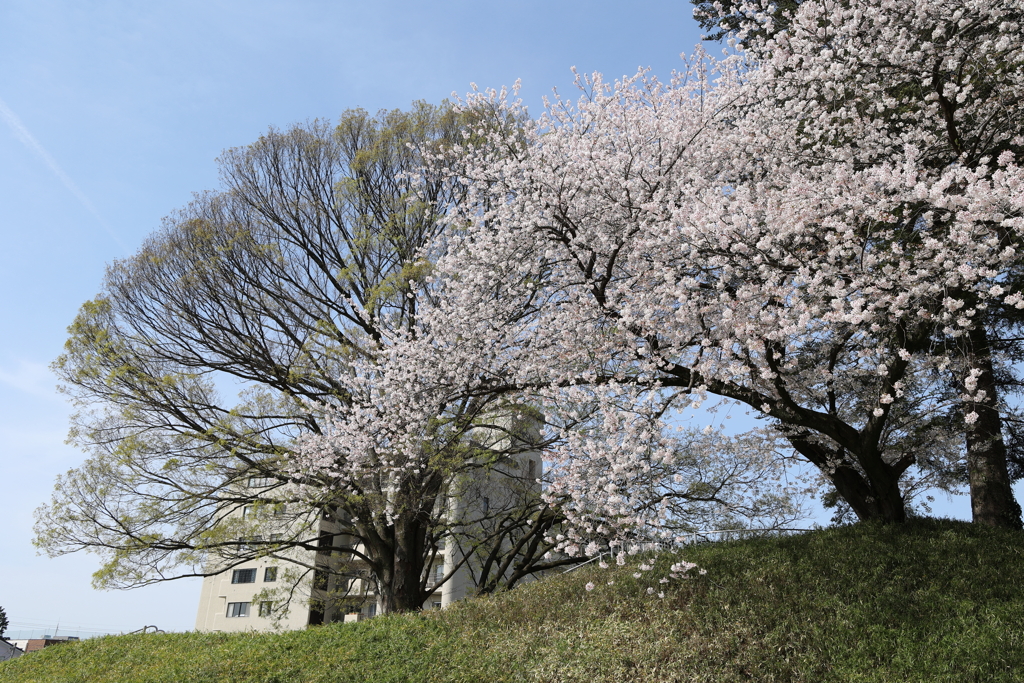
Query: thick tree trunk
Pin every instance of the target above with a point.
(404, 594)
(400, 588)
(398, 547)
(873, 494)
(879, 500)
(992, 500)
(402, 568)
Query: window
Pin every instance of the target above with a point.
(438, 572)
(324, 544)
(247, 512)
(436, 605)
(260, 482)
(371, 611)
(249, 543)
(243, 576)
(487, 505)
(238, 609)
(266, 608)
(532, 467)
(270, 574)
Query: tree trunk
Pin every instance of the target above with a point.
(400, 581)
(873, 494)
(992, 500)
(403, 595)
(871, 500)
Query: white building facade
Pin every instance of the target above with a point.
(268, 593)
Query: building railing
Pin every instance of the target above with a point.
(146, 629)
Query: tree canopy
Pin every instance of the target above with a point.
(824, 227)
(287, 287)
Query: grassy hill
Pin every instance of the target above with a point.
(928, 601)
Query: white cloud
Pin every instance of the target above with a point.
(27, 139)
(31, 378)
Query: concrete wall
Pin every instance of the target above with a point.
(218, 592)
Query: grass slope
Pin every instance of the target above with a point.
(927, 601)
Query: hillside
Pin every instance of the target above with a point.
(929, 601)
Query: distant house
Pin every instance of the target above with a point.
(9, 650)
(33, 644)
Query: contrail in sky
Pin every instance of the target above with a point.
(22, 133)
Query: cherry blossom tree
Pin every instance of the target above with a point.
(819, 228)
(944, 80)
(663, 485)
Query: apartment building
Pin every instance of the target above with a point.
(251, 596)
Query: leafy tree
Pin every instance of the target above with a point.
(4, 623)
(289, 285)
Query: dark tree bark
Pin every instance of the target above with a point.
(992, 499)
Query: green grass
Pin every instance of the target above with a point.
(927, 601)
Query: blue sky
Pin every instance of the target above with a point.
(111, 115)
